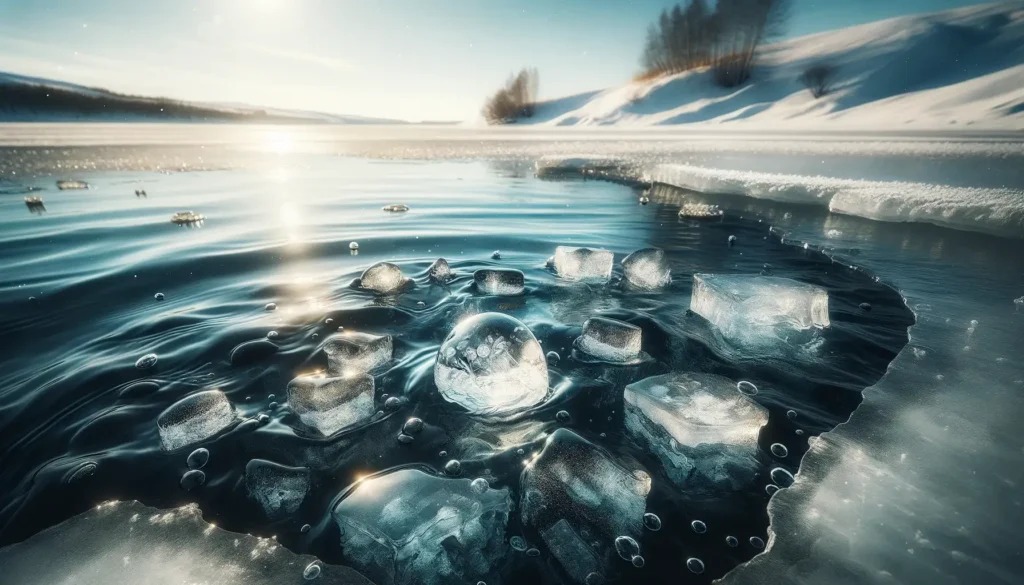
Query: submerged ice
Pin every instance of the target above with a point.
(411, 527)
(752, 310)
(700, 426)
(194, 419)
(490, 364)
(499, 282)
(382, 277)
(647, 268)
(278, 489)
(583, 263)
(353, 352)
(330, 404)
(610, 340)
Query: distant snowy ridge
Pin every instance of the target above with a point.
(951, 69)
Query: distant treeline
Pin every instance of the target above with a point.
(725, 38)
(40, 100)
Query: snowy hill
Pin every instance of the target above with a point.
(949, 69)
(34, 99)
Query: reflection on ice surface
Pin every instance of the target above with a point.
(578, 497)
(411, 527)
(126, 542)
(755, 310)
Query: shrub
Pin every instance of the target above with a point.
(515, 100)
(818, 79)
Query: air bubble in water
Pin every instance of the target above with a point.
(393, 403)
(638, 561)
(732, 240)
(732, 541)
(695, 565)
(453, 467)
(271, 334)
(518, 543)
(147, 361)
(779, 450)
(305, 528)
(270, 307)
(479, 485)
(770, 489)
(746, 387)
(198, 458)
(413, 426)
(496, 255)
(312, 571)
(563, 416)
(553, 358)
(532, 552)
(799, 431)
(81, 473)
(192, 479)
(756, 542)
(699, 527)
(782, 477)
(627, 547)
(791, 414)
(652, 522)
(159, 296)
(353, 245)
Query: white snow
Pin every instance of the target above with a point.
(926, 71)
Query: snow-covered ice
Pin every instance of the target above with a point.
(610, 340)
(352, 352)
(700, 426)
(755, 310)
(382, 277)
(583, 263)
(576, 494)
(330, 404)
(409, 527)
(501, 282)
(490, 364)
(647, 268)
(194, 419)
(278, 489)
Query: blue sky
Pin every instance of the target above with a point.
(412, 59)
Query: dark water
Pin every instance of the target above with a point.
(77, 309)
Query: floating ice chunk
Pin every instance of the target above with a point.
(574, 491)
(351, 352)
(499, 282)
(439, 271)
(411, 527)
(395, 208)
(187, 217)
(647, 268)
(610, 340)
(491, 363)
(702, 429)
(279, 489)
(33, 200)
(332, 404)
(583, 263)
(757, 309)
(382, 277)
(71, 184)
(194, 419)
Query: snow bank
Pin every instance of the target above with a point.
(953, 69)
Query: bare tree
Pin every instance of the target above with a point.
(818, 79)
(516, 99)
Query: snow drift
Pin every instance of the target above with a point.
(940, 70)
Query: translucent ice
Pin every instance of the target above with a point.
(332, 404)
(702, 429)
(491, 363)
(610, 340)
(583, 263)
(187, 217)
(194, 419)
(382, 277)
(756, 309)
(647, 268)
(577, 496)
(699, 211)
(499, 282)
(411, 527)
(352, 352)
(279, 489)
(439, 271)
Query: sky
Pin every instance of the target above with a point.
(408, 59)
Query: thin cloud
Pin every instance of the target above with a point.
(331, 63)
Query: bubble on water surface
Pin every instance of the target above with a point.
(192, 479)
(413, 426)
(791, 414)
(496, 255)
(782, 477)
(147, 361)
(312, 571)
(198, 458)
(645, 200)
(491, 364)
(518, 543)
(532, 552)
(271, 334)
(638, 561)
(405, 439)
(732, 541)
(305, 528)
(626, 547)
(756, 542)
(393, 403)
(699, 527)
(746, 387)
(695, 565)
(732, 240)
(453, 467)
(81, 473)
(353, 245)
(270, 307)
(770, 489)
(479, 485)
(553, 358)
(865, 306)
(799, 431)
(779, 450)
(563, 416)
(159, 296)
(652, 522)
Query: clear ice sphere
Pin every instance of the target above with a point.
(610, 339)
(352, 352)
(411, 527)
(754, 309)
(277, 488)
(382, 277)
(583, 263)
(491, 364)
(501, 282)
(702, 429)
(647, 268)
(574, 483)
(194, 418)
(333, 403)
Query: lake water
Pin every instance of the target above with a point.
(921, 355)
